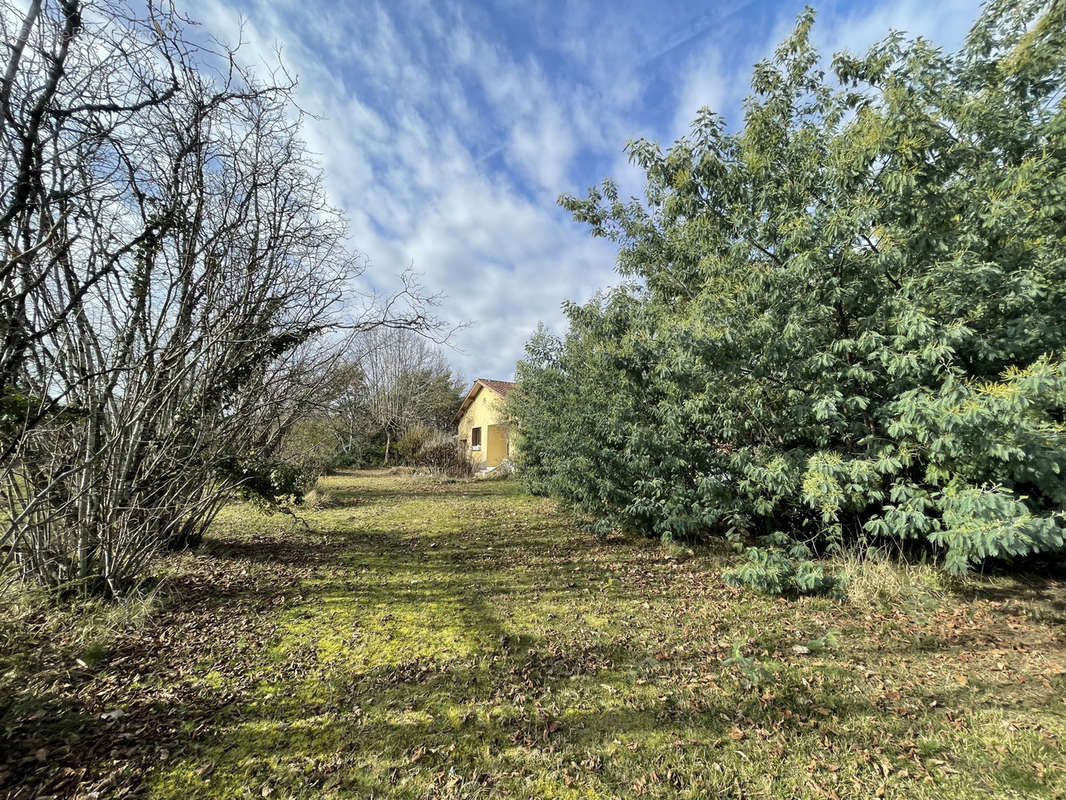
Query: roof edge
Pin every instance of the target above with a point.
(479, 384)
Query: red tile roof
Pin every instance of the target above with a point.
(502, 388)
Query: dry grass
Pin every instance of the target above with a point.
(30, 615)
(319, 498)
(875, 579)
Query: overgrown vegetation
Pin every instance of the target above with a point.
(780, 565)
(458, 640)
(393, 392)
(438, 454)
(174, 289)
(844, 320)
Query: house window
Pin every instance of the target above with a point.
(475, 439)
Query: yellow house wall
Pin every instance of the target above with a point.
(497, 445)
(486, 412)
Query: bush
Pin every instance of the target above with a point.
(310, 440)
(409, 446)
(440, 454)
(845, 320)
(269, 482)
(784, 567)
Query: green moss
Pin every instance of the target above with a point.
(462, 640)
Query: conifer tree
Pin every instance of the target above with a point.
(844, 320)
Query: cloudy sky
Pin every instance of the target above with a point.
(447, 130)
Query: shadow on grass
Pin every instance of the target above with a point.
(497, 708)
(495, 714)
(1033, 589)
(360, 488)
(465, 686)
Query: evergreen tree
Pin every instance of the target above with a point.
(845, 320)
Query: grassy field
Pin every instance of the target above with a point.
(425, 640)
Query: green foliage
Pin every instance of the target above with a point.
(842, 322)
(15, 408)
(416, 626)
(829, 641)
(439, 393)
(782, 567)
(751, 673)
(269, 482)
(315, 439)
(20, 412)
(387, 400)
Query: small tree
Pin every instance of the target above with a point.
(406, 383)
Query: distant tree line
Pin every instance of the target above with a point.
(392, 392)
(843, 323)
(173, 289)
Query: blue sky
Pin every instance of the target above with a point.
(448, 129)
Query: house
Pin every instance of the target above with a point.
(484, 436)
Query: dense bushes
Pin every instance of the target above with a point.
(409, 446)
(433, 450)
(174, 294)
(270, 482)
(392, 389)
(843, 322)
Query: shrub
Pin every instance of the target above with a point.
(440, 454)
(782, 566)
(310, 440)
(409, 446)
(269, 482)
(844, 321)
(750, 673)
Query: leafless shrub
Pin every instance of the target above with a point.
(405, 383)
(171, 291)
(440, 454)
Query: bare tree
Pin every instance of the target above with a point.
(403, 378)
(174, 290)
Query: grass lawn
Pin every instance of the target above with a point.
(424, 640)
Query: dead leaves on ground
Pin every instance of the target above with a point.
(631, 628)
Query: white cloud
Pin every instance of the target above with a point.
(718, 73)
(707, 83)
(406, 169)
(447, 146)
(945, 22)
